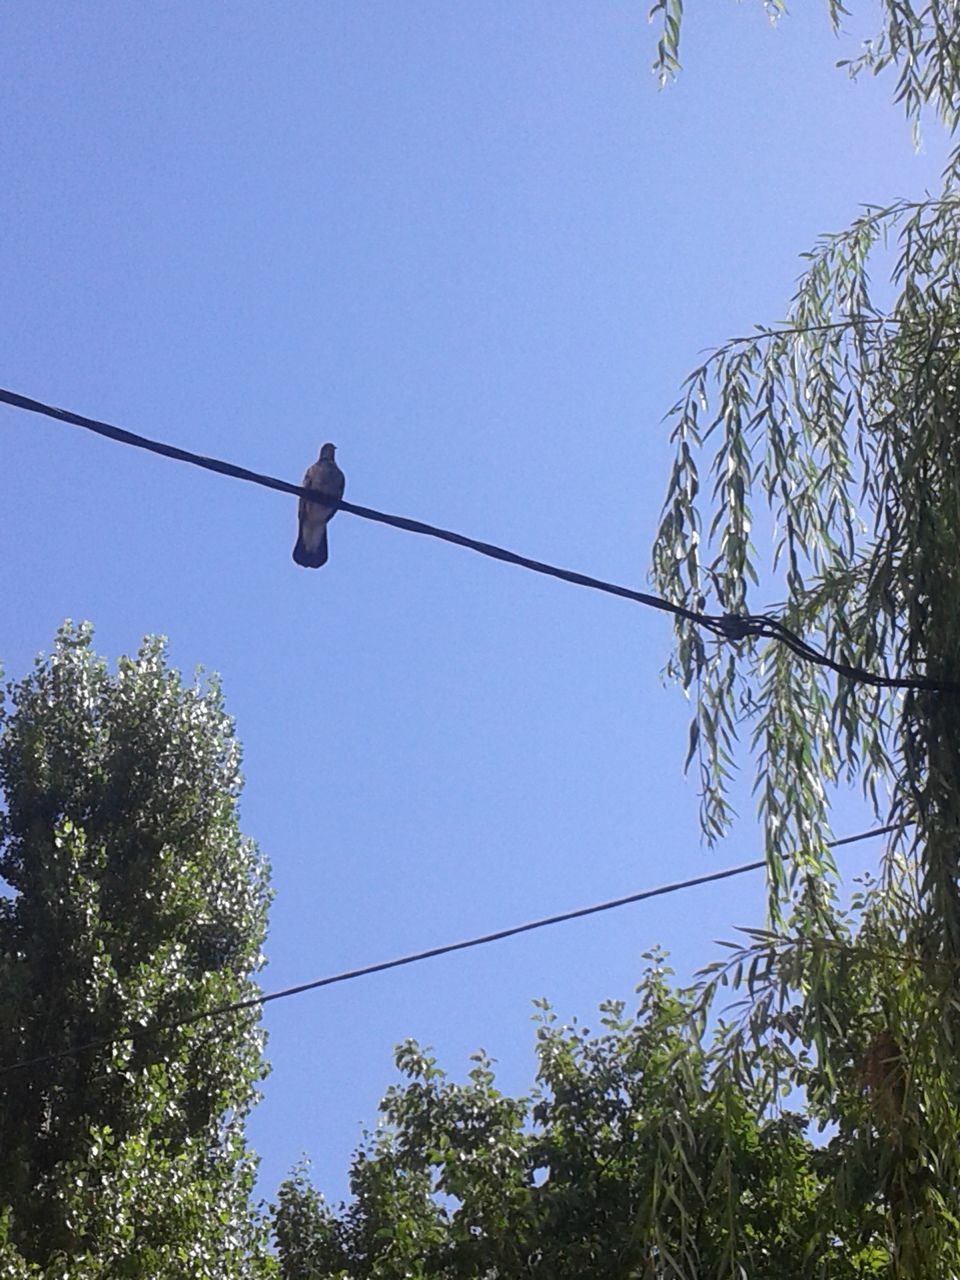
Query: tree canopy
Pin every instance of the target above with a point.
(629, 1158)
(134, 904)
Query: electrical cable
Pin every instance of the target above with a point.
(731, 626)
(382, 966)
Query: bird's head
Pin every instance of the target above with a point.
(327, 452)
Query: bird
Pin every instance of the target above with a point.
(325, 477)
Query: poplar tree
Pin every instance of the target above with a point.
(133, 904)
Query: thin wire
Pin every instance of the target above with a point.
(349, 975)
(732, 627)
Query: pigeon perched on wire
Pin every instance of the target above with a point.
(326, 478)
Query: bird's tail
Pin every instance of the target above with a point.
(311, 559)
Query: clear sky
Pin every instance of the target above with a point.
(473, 246)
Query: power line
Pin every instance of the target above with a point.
(416, 957)
(731, 626)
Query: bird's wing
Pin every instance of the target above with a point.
(311, 480)
(333, 481)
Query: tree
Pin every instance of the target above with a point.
(567, 1183)
(844, 423)
(837, 436)
(134, 904)
(629, 1159)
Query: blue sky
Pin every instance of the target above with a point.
(473, 246)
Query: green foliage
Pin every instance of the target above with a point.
(637, 1155)
(669, 14)
(134, 902)
(834, 436)
(846, 1016)
(835, 439)
(918, 41)
(843, 425)
(680, 1143)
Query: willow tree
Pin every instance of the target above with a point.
(133, 905)
(832, 441)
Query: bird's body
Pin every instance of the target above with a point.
(326, 478)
